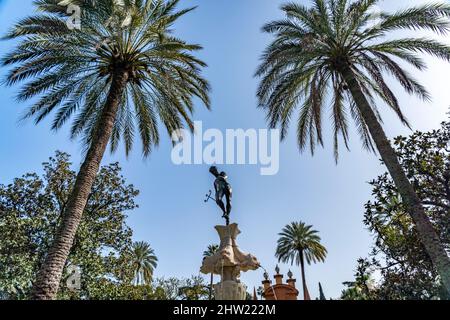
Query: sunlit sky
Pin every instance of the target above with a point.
(173, 217)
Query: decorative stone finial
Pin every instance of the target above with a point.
(290, 274)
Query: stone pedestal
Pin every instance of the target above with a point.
(229, 262)
(230, 290)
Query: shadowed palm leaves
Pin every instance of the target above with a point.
(337, 52)
(299, 243)
(144, 262)
(212, 250)
(118, 77)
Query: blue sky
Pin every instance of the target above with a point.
(173, 217)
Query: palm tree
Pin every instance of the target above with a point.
(299, 243)
(120, 76)
(212, 250)
(143, 262)
(338, 49)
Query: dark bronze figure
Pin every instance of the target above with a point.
(223, 189)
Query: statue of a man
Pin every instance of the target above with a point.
(223, 189)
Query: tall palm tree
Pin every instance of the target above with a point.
(144, 262)
(338, 49)
(119, 76)
(298, 243)
(212, 250)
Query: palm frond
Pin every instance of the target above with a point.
(303, 67)
(69, 71)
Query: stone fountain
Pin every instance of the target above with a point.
(229, 262)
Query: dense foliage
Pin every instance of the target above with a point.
(398, 255)
(362, 287)
(30, 210)
(193, 288)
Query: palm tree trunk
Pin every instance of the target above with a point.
(426, 231)
(49, 276)
(211, 287)
(306, 295)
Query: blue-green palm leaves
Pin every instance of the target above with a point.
(296, 239)
(211, 250)
(68, 71)
(301, 68)
(143, 262)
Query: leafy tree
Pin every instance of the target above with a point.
(160, 289)
(362, 287)
(123, 70)
(193, 288)
(108, 290)
(406, 270)
(298, 243)
(143, 262)
(169, 288)
(212, 250)
(31, 208)
(335, 50)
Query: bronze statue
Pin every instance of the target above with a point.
(223, 189)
